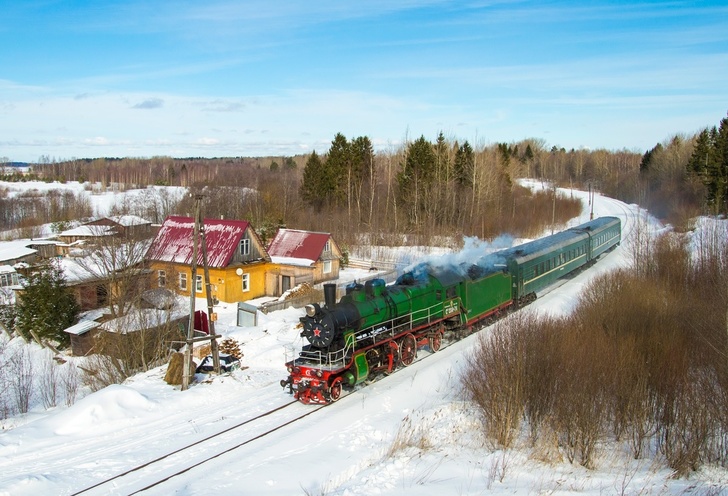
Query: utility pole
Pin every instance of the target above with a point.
(199, 229)
(591, 202)
(553, 211)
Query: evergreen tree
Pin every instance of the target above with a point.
(361, 168)
(46, 307)
(443, 161)
(709, 162)
(464, 165)
(417, 175)
(316, 186)
(338, 164)
(505, 153)
(647, 158)
(289, 163)
(721, 166)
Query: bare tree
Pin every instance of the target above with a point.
(48, 381)
(117, 262)
(21, 380)
(70, 383)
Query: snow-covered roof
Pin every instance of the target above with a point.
(301, 262)
(13, 250)
(6, 269)
(145, 318)
(292, 244)
(90, 231)
(174, 241)
(82, 327)
(129, 220)
(74, 271)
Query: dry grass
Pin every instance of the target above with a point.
(642, 361)
(409, 435)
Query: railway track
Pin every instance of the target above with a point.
(157, 471)
(154, 473)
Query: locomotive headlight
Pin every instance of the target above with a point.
(290, 369)
(310, 310)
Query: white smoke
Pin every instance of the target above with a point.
(475, 252)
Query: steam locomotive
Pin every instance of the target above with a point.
(375, 328)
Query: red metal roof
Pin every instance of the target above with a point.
(174, 241)
(292, 243)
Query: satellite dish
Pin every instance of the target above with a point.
(239, 271)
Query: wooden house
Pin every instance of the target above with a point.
(26, 251)
(237, 260)
(124, 226)
(158, 322)
(301, 256)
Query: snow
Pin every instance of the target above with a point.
(302, 262)
(409, 433)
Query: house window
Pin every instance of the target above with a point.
(245, 246)
(327, 266)
(161, 278)
(198, 284)
(102, 296)
(9, 279)
(183, 281)
(246, 282)
(327, 246)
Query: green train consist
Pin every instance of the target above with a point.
(376, 328)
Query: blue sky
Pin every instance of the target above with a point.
(233, 78)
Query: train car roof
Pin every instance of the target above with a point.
(544, 245)
(541, 246)
(595, 224)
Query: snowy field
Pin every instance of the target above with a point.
(409, 433)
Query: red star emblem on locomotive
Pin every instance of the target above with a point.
(316, 332)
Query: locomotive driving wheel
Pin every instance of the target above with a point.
(374, 359)
(408, 350)
(435, 341)
(335, 390)
(392, 357)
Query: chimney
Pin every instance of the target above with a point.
(330, 295)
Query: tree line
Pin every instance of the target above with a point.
(405, 194)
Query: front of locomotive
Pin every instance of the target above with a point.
(315, 376)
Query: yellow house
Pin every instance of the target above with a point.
(236, 259)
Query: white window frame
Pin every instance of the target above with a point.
(328, 266)
(182, 281)
(9, 279)
(198, 283)
(245, 280)
(162, 278)
(245, 247)
(327, 246)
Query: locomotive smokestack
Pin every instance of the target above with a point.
(330, 294)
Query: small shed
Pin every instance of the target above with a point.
(82, 336)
